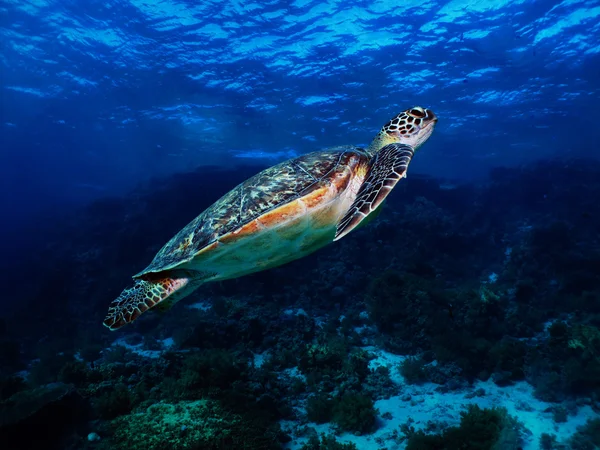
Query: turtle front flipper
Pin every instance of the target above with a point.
(144, 294)
(387, 167)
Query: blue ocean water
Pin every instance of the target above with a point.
(121, 121)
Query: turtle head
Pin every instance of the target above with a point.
(412, 127)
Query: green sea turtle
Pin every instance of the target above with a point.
(281, 214)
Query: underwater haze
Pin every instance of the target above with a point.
(466, 315)
(100, 95)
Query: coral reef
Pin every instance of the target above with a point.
(587, 436)
(479, 429)
(326, 443)
(493, 284)
(354, 412)
(184, 425)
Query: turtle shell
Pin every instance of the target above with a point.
(269, 189)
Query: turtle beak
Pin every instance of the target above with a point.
(431, 115)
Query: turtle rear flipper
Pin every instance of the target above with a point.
(144, 294)
(387, 167)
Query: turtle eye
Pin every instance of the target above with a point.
(418, 113)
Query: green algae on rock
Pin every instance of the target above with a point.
(183, 425)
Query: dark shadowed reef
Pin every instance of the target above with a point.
(496, 282)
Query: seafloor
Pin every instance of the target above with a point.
(465, 317)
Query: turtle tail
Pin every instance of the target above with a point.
(144, 294)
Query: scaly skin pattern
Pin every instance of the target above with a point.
(388, 166)
(411, 127)
(281, 214)
(140, 298)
